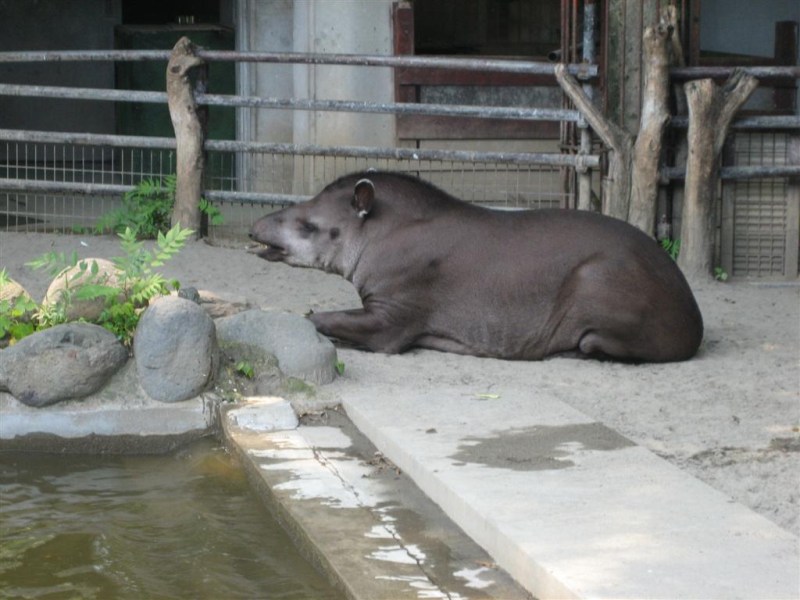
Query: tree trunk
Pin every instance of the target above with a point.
(654, 119)
(189, 122)
(711, 110)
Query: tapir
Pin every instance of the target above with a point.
(436, 272)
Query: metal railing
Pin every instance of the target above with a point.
(237, 190)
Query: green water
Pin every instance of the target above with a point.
(185, 525)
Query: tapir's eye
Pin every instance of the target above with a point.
(307, 227)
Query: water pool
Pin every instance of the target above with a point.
(185, 525)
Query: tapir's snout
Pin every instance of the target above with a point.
(267, 248)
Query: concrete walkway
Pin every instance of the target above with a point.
(570, 508)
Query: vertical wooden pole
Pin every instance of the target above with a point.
(654, 118)
(185, 71)
(711, 110)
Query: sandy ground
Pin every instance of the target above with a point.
(730, 416)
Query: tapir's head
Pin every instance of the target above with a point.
(321, 233)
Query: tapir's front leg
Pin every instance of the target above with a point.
(363, 328)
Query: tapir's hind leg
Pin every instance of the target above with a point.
(603, 343)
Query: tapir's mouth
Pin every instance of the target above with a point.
(270, 252)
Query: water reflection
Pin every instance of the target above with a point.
(181, 526)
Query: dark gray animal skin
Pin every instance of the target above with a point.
(435, 272)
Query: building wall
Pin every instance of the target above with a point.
(342, 27)
(53, 25)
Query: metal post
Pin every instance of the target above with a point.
(585, 175)
(791, 264)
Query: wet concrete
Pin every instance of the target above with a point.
(538, 448)
(358, 518)
(570, 508)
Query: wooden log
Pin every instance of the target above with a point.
(185, 71)
(711, 109)
(654, 118)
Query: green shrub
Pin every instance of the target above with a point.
(138, 282)
(147, 209)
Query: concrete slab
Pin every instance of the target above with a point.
(570, 508)
(357, 518)
(263, 414)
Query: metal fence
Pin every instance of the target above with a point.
(53, 181)
(62, 181)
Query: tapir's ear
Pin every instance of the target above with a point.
(363, 197)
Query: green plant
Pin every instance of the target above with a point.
(339, 366)
(212, 212)
(243, 367)
(136, 284)
(672, 247)
(16, 314)
(147, 209)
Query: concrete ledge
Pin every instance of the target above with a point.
(572, 509)
(119, 419)
(355, 517)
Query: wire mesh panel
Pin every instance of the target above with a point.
(511, 186)
(760, 207)
(71, 163)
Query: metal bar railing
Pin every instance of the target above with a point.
(94, 139)
(582, 71)
(444, 110)
(759, 122)
(739, 173)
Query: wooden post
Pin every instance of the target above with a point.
(189, 122)
(654, 118)
(711, 110)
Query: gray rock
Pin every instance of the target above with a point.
(67, 361)
(175, 349)
(293, 340)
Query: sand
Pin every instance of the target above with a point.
(730, 416)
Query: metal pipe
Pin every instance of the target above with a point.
(87, 139)
(588, 55)
(517, 158)
(444, 110)
(762, 122)
(736, 173)
(423, 62)
(253, 197)
(53, 187)
(683, 73)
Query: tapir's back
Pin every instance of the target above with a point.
(542, 281)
